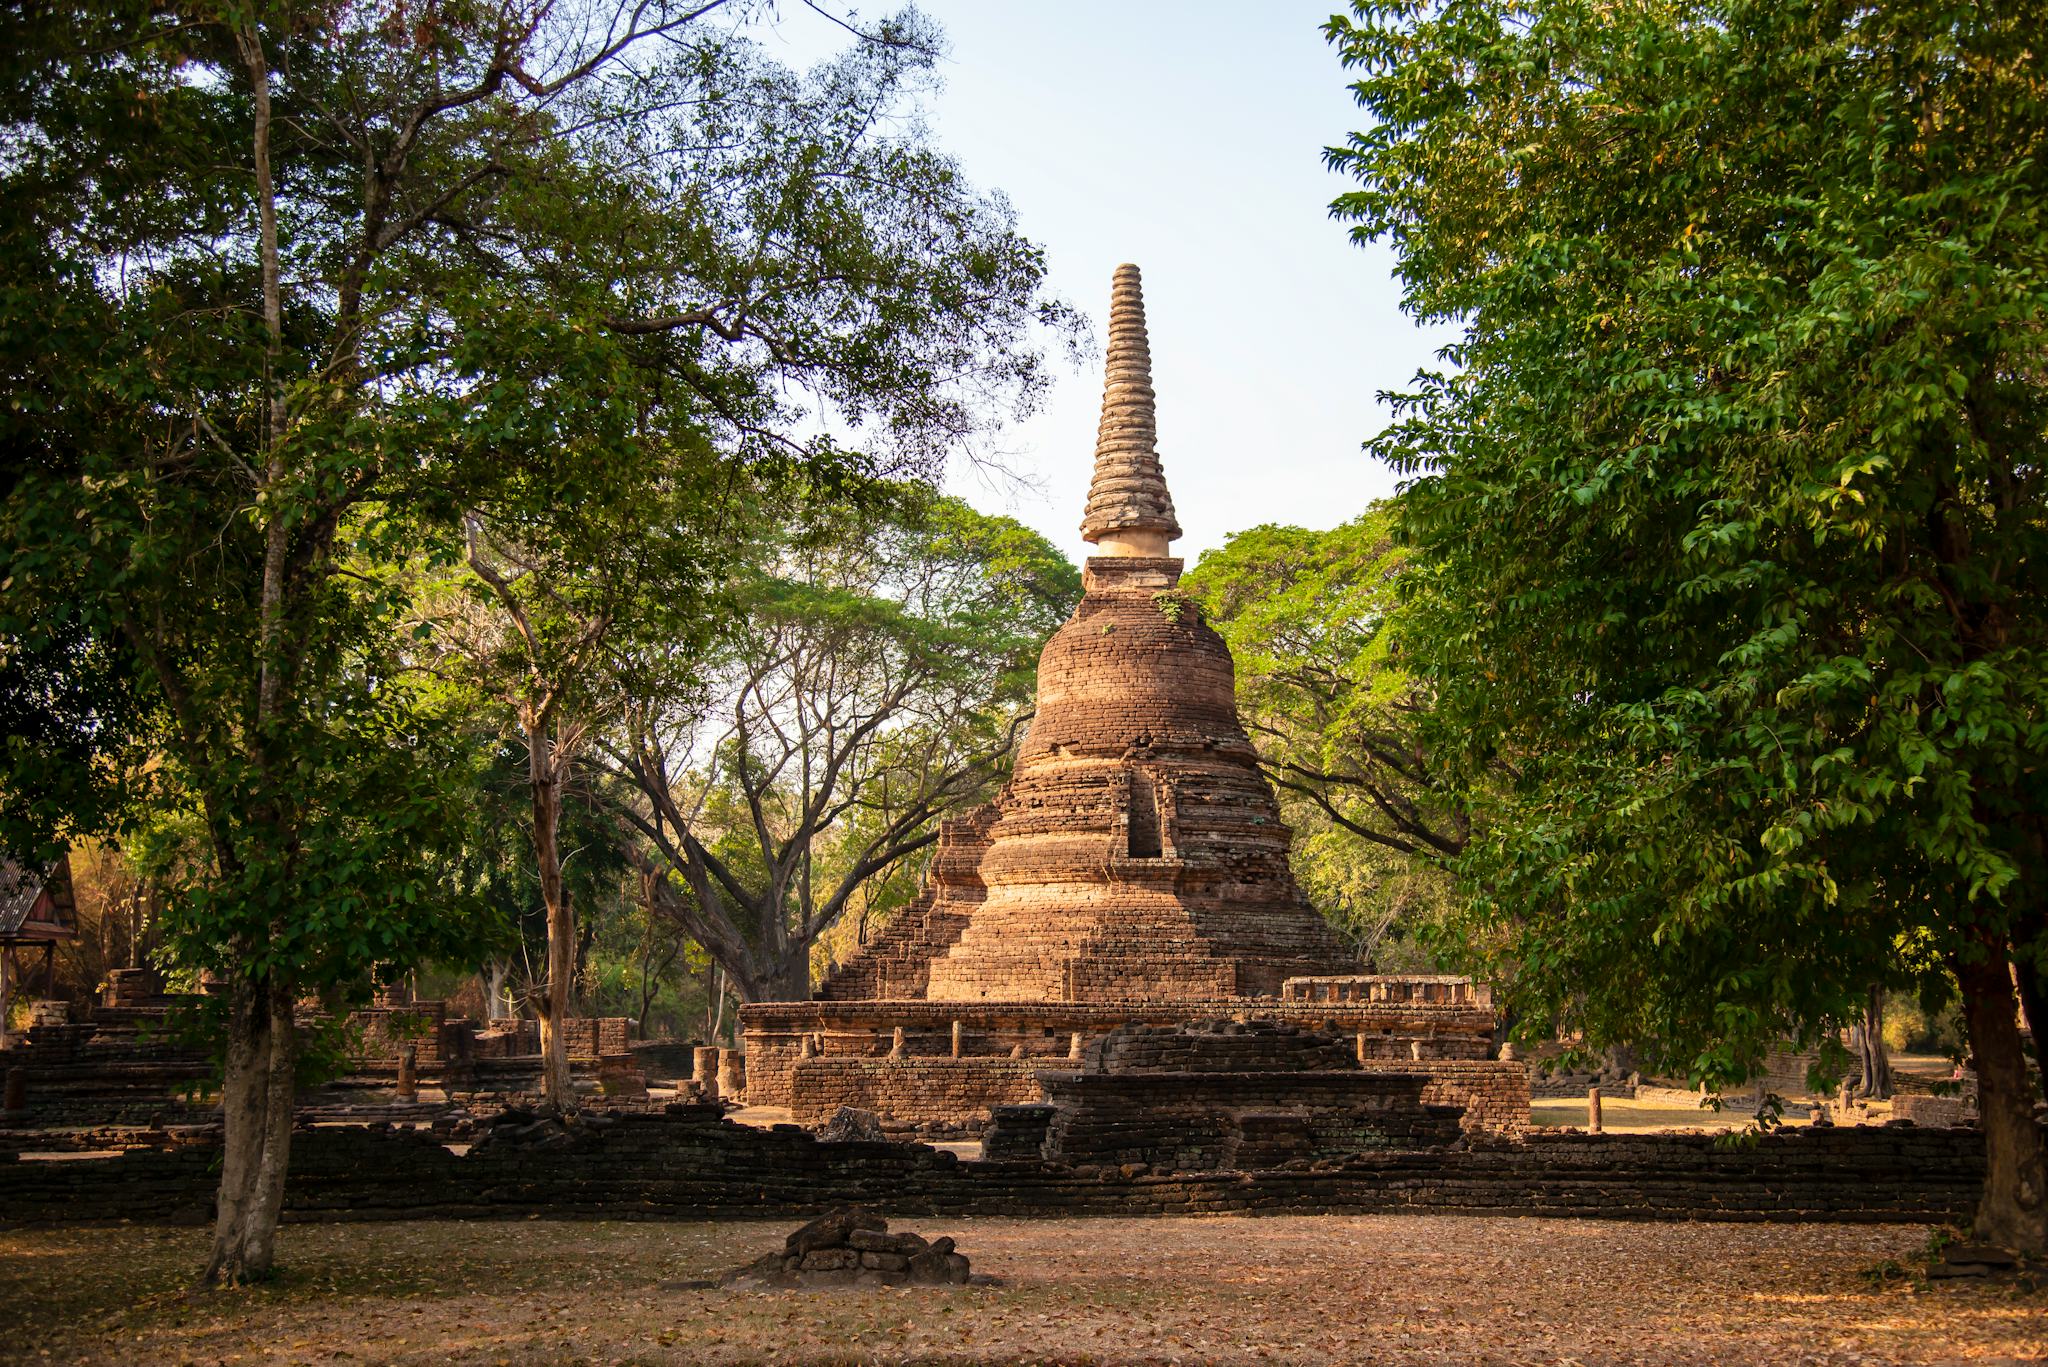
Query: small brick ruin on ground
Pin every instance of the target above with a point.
(1133, 870)
(852, 1248)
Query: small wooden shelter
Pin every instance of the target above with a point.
(36, 911)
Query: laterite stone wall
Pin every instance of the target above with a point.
(695, 1165)
(1491, 1094)
(1393, 1031)
(922, 1093)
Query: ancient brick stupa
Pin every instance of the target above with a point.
(1134, 868)
(1138, 852)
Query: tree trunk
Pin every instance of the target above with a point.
(586, 937)
(1868, 1038)
(714, 1008)
(256, 1102)
(494, 990)
(2014, 1210)
(2030, 972)
(544, 778)
(262, 1044)
(646, 977)
(792, 980)
(784, 978)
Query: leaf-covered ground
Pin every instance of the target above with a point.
(1384, 1289)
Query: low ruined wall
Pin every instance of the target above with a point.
(912, 1092)
(1573, 1086)
(694, 1165)
(1932, 1110)
(87, 1075)
(1387, 987)
(1492, 1093)
(1194, 1121)
(596, 1036)
(382, 1033)
(935, 1093)
(666, 1059)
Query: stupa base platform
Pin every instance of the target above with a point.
(941, 1067)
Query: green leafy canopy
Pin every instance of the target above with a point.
(1726, 515)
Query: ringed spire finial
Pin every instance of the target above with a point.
(1129, 510)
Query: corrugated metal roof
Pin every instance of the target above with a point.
(24, 912)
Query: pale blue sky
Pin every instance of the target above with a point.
(1186, 137)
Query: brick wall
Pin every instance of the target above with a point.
(922, 1093)
(1573, 1085)
(1492, 1094)
(944, 1094)
(596, 1037)
(86, 1074)
(1785, 1073)
(696, 1165)
(774, 1031)
(380, 1034)
(1238, 1121)
(1387, 987)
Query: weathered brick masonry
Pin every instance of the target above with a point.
(697, 1165)
(1491, 1094)
(897, 963)
(916, 1093)
(1239, 1121)
(1226, 1094)
(1394, 1031)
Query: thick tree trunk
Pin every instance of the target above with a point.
(557, 1089)
(262, 1044)
(2014, 1209)
(1872, 1056)
(792, 982)
(2034, 1004)
(256, 1101)
(543, 776)
(266, 1199)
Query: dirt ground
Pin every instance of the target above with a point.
(1621, 1115)
(1329, 1289)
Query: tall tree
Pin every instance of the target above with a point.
(1337, 719)
(840, 273)
(535, 620)
(875, 679)
(284, 285)
(1729, 521)
(1308, 617)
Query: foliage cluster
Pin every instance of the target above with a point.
(1337, 721)
(1726, 516)
(306, 310)
(880, 662)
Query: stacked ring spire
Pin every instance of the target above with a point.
(1128, 498)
